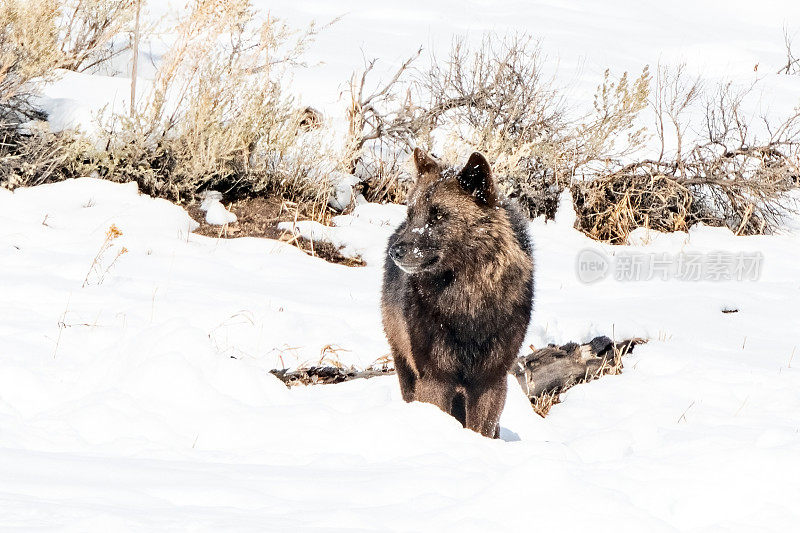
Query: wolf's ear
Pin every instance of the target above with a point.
(476, 179)
(424, 162)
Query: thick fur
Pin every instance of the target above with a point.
(457, 292)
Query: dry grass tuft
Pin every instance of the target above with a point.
(97, 268)
(544, 402)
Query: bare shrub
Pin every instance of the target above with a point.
(368, 116)
(792, 66)
(497, 88)
(217, 116)
(28, 53)
(731, 176)
(40, 157)
(382, 128)
(87, 29)
(384, 177)
(673, 97)
(496, 98)
(584, 148)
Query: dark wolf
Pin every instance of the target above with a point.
(457, 292)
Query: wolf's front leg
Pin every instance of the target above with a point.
(406, 376)
(440, 392)
(484, 406)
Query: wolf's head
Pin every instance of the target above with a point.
(450, 215)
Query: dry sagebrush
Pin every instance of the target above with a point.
(88, 29)
(217, 115)
(737, 173)
(497, 98)
(35, 39)
(28, 53)
(40, 156)
(38, 37)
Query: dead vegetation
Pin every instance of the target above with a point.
(218, 117)
(34, 39)
(28, 54)
(326, 375)
(544, 374)
(496, 98)
(382, 129)
(733, 175)
(792, 66)
(39, 157)
(547, 372)
(104, 261)
(38, 37)
(260, 216)
(88, 28)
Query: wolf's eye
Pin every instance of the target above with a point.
(436, 214)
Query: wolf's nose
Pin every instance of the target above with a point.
(398, 251)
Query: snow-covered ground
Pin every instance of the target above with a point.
(134, 387)
(143, 401)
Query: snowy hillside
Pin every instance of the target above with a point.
(135, 392)
(737, 42)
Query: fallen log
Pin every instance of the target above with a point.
(556, 368)
(325, 375)
(546, 371)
